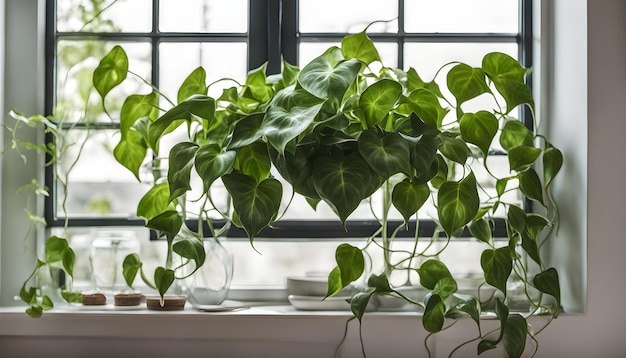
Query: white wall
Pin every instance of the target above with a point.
(588, 92)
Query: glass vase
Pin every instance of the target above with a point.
(210, 284)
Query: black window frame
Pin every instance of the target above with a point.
(273, 36)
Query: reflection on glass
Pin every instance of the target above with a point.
(104, 15)
(461, 16)
(76, 61)
(203, 16)
(97, 185)
(330, 15)
(427, 58)
(220, 60)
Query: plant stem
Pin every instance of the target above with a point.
(386, 239)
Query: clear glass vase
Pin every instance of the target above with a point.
(210, 284)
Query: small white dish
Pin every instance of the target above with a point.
(334, 303)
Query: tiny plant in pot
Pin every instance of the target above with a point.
(340, 133)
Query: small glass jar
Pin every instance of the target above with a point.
(107, 253)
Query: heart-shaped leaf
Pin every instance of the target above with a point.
(343, 182)
(168, 222)
(514, 134)
(181, 161)
(425, 104)
(445, 287)
(457, 203)
(387, 155)
(246, 131)
(378, 99)
(130, 267)
(361, 47)
(454, 149)
(256, 203)
(466, 304)
(290, 113)
(497, 265)
(530, 185)
(409, 196)
(508, 75)
(296, 169)
(359, 302)
(55, 248)
(424, 158)
(191, 248)
(479, 128)
(194, 84)
(155, 201)
(552, 163)
(431, 272)
(481, 230)
(68, 259)
(434, 314)
(211, 163)
(522, 157)
(254, 160)
(131, 151)
(163, 279)
(111, 71)
(465, 82)
(514, 335)
(324, 77)
(548, 282)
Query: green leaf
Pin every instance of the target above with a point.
(515, 134)
(111, 71)
(445, 287)
(324, 77)
(424, 158)
(130, 267)
(361, 47)
(55, 248)
(201, 106)
(211, 163)
(522, 157)
(454, 149)
(514, 336)
(409, 196)
(426, 105)
(163, 279)
(335, 284)
(552, 162)
(378, 99)
(380, 283)
(431, 272)
(256, 203)
(343, 182)
(457, 203)
(290, 113)
(131, 152)
(502, 311)
(247, 131)
(466, 304)
(481, 230)
(479, 128)
(516, 217)
(194, 84)
(254, 160)
(465, 82)
(497, 265)
(34, 311)
(434, 314)
(68, 261)
(387, 155)
(359, 302)
(530, 185)
(155, 201)
(296, 169)
(256, 84)
(191, 248)
(181, 162)
(548, 282)
(351, 263)
(71, 297)
(508, 75)
(168, 222)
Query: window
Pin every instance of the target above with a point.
(166, 39)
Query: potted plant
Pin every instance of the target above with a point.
(338, 133)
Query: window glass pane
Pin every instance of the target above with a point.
(427, 58)
(203, 16)
(104, 15)
(461, 16)
(97, 185)
(331, 15)
(220, 60)
(76, 61)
